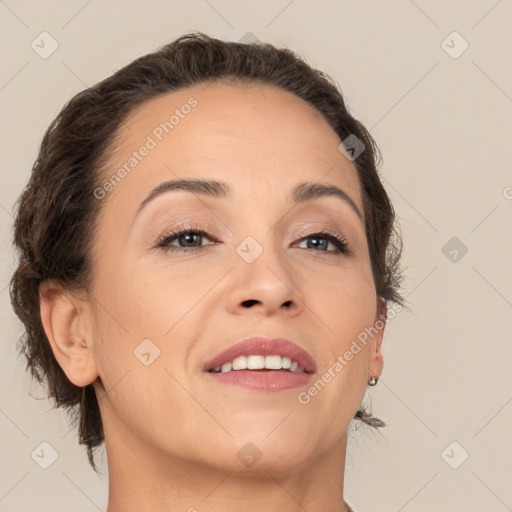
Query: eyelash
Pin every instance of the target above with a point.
(163, 242)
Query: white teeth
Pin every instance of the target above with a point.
(273, 362)
(256, 362)
(240, 363)
(286, 363)
(226, 367)
(259, 362)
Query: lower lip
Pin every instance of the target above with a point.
(262, 380)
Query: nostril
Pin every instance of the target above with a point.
(249, 302)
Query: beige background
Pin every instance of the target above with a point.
(443, 125)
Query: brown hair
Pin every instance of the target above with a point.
(55, 215)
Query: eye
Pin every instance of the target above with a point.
(190, 238)
(321, 239)
(184, 239)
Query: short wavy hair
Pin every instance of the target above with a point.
(55, 217)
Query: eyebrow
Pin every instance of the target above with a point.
(302, 192)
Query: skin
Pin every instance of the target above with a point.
(172, 434)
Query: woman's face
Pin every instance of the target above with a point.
(161, 313)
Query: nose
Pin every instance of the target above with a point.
(266, 286)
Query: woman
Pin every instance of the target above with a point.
(206, 259)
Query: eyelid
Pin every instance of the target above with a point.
(315, 228)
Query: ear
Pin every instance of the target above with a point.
(66, 322)
(376, 360)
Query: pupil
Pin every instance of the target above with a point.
(322, 243)
(189, 237)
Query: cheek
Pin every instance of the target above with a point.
(347, 310)
(346, 302)
(149, 315)
(143, 303)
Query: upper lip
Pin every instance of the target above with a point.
(264, 346)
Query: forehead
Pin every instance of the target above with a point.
(250, 135)
(226, 105)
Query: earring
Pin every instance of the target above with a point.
(373, 381)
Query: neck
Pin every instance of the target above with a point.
(143, 479)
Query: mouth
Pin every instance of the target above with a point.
(262, 364)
